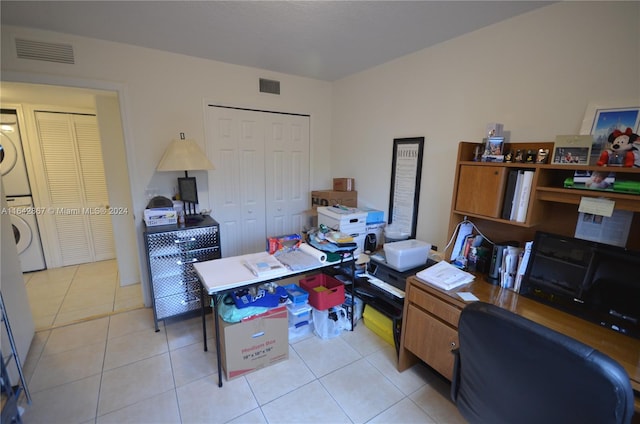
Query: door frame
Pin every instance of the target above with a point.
(127, 235)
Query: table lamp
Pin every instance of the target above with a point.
(185, 155)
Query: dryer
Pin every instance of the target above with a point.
(12, 164)
(26, 233)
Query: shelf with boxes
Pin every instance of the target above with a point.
(480, 187)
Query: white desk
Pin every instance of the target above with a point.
(221, 275)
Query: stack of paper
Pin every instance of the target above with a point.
(265, 265)
(445, 276)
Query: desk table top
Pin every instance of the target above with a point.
(622, 348)
(224, 274)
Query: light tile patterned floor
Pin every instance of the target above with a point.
(116, 369)
(61, 296)
(89, 363)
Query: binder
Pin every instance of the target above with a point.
(516, 196)
(509, 193)
(523, 201)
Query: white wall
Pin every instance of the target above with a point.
(535, 73)
(162, 94)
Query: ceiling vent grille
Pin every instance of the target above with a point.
(40, 50)
(269, 86)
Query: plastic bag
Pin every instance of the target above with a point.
(329, 323)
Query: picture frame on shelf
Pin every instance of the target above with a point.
(572, 150)
(493, 149)
(602, 118)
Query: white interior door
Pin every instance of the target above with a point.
(75, 186)
(260, 186)
(287, 172)
(236, 148)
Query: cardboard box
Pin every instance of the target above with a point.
(255, 343)
(344, 184)
(332, 197)
(160, 216)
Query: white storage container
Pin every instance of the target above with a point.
(349, 221)
(406, 254)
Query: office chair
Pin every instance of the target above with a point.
(509, 369)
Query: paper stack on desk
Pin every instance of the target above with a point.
(445, 276)
(265, 265)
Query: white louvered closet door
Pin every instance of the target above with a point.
(76, 188)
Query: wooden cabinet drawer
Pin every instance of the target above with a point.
(443, 310)
(430, 340)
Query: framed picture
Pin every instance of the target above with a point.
(188, 190)
(572, 149)
(406, 173)
(601, 119)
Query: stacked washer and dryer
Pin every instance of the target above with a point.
(18, 194)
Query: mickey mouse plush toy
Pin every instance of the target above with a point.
(621, 151)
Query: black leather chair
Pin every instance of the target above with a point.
(509, 369)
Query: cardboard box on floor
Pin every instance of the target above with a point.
(256, 343)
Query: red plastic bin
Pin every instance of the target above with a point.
(324, 291)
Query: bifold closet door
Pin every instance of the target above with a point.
(235, 146)
(73, 187)
(260, 185)
(287, 172)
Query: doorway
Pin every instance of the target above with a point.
(125, 267)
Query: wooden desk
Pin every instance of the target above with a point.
(430, 329)
(223, 275)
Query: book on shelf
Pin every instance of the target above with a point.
(445, 276)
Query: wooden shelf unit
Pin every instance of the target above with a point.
(479, 188)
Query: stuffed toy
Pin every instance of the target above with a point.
(621, 151)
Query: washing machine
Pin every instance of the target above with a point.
(26, 233)
(12, 164)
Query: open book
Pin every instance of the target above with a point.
(445, 276)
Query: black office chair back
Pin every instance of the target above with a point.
(511, 370)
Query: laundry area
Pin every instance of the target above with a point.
(18, 194)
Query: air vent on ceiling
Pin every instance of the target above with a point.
(269, 86)
(40, 50)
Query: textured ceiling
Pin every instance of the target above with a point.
(326, 40)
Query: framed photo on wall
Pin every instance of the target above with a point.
(601, 119)
(406, 173)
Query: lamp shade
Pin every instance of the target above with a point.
(184, 155)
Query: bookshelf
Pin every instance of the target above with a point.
(479, 189)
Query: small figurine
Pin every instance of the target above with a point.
(519, 156)
(530, 157)
(621, 151)
(508, 157)
(542, 155)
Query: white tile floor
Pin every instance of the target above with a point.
(62, 296)
(115, 369)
